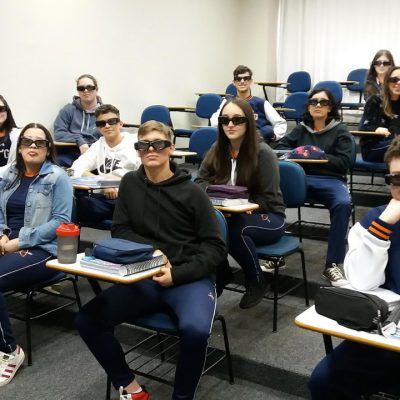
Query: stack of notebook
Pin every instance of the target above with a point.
(122, 269)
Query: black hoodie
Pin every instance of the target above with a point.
(175, 216)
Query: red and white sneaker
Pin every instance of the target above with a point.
(9, 364)
(143, 395)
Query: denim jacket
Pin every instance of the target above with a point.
(48, 204)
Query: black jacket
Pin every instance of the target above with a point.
(175, 216)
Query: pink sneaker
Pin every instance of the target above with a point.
(9, 364)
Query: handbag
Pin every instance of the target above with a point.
(121, 251)
(350, 308)
(227, 191)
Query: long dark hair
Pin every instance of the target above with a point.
(51, 152)
(386, 95)
(218, 159)
(332, 115)
(9, 123)
(371, 76)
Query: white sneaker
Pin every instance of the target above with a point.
(269, 265)
(335, 275)
(9, 364)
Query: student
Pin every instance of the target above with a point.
(269, 123)
(159, 204)
(326, 183)
(373, 260)
(35, 198)
(380, 65)
(113, 156)
(239, 158)
(9, 133)
(382, 115)
(75, 122)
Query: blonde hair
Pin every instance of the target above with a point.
(155, 126)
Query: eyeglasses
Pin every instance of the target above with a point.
(103, 123)
(3, 108)
(392, 179)
(82, 88)
(242, 78)
(321, 102)
(235, 120)
(39, 143)
(384, 63)
(157, 145)
(394, 79)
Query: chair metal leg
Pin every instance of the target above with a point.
(108, 389)
(227, 348)
(76, 291)
(305, 282)
(275, 283)
(28, 326)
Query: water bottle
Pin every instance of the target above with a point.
(67, 249)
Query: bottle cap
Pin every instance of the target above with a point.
(68, 230)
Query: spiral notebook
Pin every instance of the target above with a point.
(122, 269)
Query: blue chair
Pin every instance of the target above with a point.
(32, 302)
(299, 81)
(334, 87)
(298, 102)
(231, 90)
(201, 141)
(294, 190)
(164, 332)
(206, 105)
(358, 75)
(158, 113)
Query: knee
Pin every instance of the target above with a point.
(194, 333)
(318, 383)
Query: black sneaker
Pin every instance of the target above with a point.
(334, 275)
(269, 264)
(253, 295)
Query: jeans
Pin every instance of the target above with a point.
(193, 304)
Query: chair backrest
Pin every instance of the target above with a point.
(222, 224)
(292, 183)
(207, 105)
(334, 87)
(297, 101)
(358, 75)
(201, 140)
(157, 113)
(231, 89)
(300, 81)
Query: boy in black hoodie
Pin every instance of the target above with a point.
(159, 204)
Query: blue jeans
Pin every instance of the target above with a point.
(93, 209)
(246, 231)
(333, 194)
(18, 270)
(355, 369)
(193, 304)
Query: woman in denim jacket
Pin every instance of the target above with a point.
(35, 198)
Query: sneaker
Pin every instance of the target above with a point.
(253, 295)
(143, 395)
(9, 364)
(334, 275)
(269, 265)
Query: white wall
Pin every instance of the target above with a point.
(141, 52)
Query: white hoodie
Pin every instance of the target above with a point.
(117, 160)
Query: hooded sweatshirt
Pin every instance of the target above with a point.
(117, 160)
(335, 140)
(174, 216)
(75, 125)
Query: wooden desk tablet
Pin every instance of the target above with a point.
(345, 83)
(283, 109)
(182, 109)
(183, 153)
(313, 321)
(65, 144)
(76, 269)
(241, 208)
(271, 84)
(367, 133)
(219, 94)
(307, 161)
